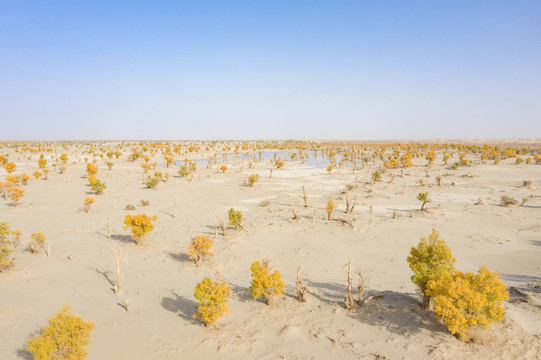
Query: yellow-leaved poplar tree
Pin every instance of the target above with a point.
(213, 298)
(463, 300)
(66, 337)
(199, 247)
(6, 247)
(429, 260)
(264, 284)
(140, 226)
(16, 193)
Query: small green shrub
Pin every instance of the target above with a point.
(252, 179)
(183, 172)
(235, 218)
(507, 201)
(429, 260)
(423, 197)
(98, 186)
(152, 183)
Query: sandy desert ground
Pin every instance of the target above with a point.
(158, 278)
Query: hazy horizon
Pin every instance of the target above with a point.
(242, 70)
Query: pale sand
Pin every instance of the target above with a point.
(159, 278)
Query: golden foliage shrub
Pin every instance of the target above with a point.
(213, 298)
(463, 300)
(153, 182)
(66, 337)
(199, 247)
(140, 226)
(91, 169)
(97, 186)
(429, 260)
(264, 284)
(89, 200)
(252, 179)
(330, 208)
(39, 237)
(10, 167)
(24, 178)
(431, 156)
(16, 194)
(13, 180)
(406, 160)
(92, 178)
(6, 247)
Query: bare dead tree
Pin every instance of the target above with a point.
(349, 302)
(222, 224)
(304, 196)
(302, 288)
(118, 259)
(350, 204)
(295, 216)
(107, 228)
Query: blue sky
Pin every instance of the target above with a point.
(270, 69)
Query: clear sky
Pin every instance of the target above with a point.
(270, 69)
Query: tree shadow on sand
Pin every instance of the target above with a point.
(123, 238)
(24, 354)
(239, 293)
(535, 242)
(520, 278)
(531, 284)
(400, 313)
(329, 293)
(106, 274)
(181, 305)
(181, 257)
